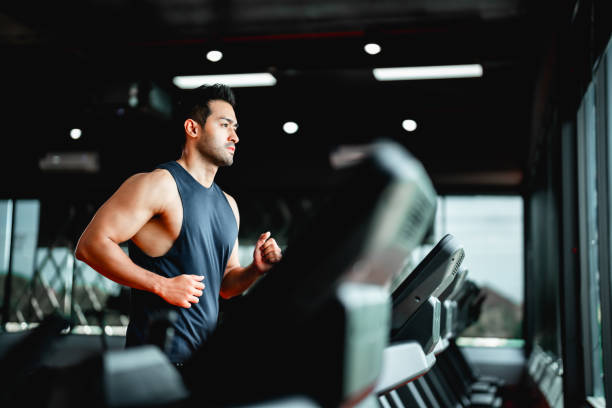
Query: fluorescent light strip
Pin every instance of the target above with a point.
(435, 72)
(231, 80)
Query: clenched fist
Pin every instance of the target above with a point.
(266, 253)
(182, 290)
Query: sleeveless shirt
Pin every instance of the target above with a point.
(205, 242)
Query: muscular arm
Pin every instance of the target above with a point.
(137, 200)
(236, 278)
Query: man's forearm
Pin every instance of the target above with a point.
(108, 259)
(239, 279)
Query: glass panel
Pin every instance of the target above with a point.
(6, 219)
(606, 112)
(491, 231)
(25, 237)
(593, 240)
(52, 279)
(25, 240)
(91, 293)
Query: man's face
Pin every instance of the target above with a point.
(219, 137)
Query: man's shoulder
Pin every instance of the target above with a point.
(231, 199)
(155, 180)
(232, 204)
(161, 175)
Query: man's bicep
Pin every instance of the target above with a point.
(127, 210)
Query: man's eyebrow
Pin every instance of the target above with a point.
(231, 121)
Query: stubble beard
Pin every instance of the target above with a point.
(219, 157)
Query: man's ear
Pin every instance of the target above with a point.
(191, 128)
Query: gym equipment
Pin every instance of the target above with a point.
(319, 321)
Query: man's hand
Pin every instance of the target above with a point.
(266, 253)
(182, 290)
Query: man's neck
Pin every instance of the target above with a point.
(203, 171)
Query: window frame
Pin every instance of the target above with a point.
(603, 128)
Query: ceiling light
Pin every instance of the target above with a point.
(214, 55)
(409, 125)
(435, 72)
(372, 48)
(231, 80)
(290, 127)
(75, 133)
(88, 162)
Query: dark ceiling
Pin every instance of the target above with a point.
(72, 66)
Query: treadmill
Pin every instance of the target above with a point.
(318, 322)
(415, 328)
(452, 378)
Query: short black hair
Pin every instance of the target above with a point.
(194, 102)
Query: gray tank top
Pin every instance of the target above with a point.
(207, 237)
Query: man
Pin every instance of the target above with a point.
(182, 231)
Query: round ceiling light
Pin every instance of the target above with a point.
(290, 127)
(409, 125)
(75, 134)
(372, 48)
(214, 55)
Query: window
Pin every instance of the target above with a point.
(590, 170)
(592, 242)
(22, 242)
(491, 231)
(6, 224)
(36, 278)
(606, 117)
